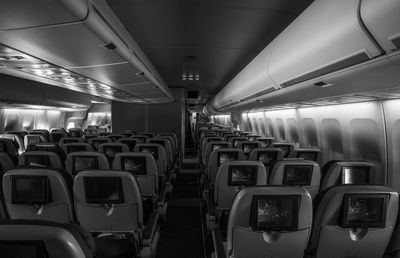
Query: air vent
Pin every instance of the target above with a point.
(258, 94)
(353, 60)
(396, 41)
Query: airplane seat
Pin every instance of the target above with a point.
(149, 135)
(75, 132)
(287, 148)
(40, 159)
(90, 131)
(39, 194)
(70, 140)
(167, 148)
(33, 138)
(234, 140)
(143, 166)
(159, 155)
(10, 147)
(307, 154)
(44, 239)
(213, 146)
(267, 156)
(247, 147)
(232, 177)
(130, 142)
(174, 148)
(56, 136)
(6, 164)
(109, 205)
(76, 147)
(19, 142)
(348, 172)
(115, 137)
(204, 143)
(270, 221)
(44, 133)
(111, 149)
(95, 142)
(86, 137)
(174, 137)
(301, 173)
(253, 137)
(141, 138)
(78, 161)
(353, 221)
(266, 141)
(47, 146)
(217, 158)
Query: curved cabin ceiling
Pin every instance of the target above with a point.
(204, 44)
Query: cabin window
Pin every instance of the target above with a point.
(365, 140)
(332, 138)
(310, 133)
(281, 129)
(293, 133)
(261, 125)
(270, 128)
(71, 125)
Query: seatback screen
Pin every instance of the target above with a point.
(275, 212)
(30, 189)
(23, 249)
(297, 175)
(367, 210)
(37, 161)
(219, 146)
(307, 155)
(153, 150)
(242, 175)
(136, 165)
(76, 148)
(81, 163)
(355, 175)
(267, 157)
(32, 139)
(104, 190)
(227, 156)
(285, 149)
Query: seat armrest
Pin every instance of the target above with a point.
(218, 243)
(151, 228)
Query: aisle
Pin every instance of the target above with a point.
(181, 233)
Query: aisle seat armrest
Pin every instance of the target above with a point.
(151, 228)
(219, 248)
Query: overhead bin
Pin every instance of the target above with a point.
(382, 19)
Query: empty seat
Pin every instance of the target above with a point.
(33, 138)
(353, 221)
(171, 140)
(130, 142)
(213, 146)
(78, 161)
(70, 140)
(269, 222)
(174, 137)
(76, 147)
(232, 177)
(302, 173)
(47, 146)
(348, 172)
(167, 147)
(40, 159)
(111, 149)
(44, 239)
(16, 138)
(39, 194)
(115, 137)
(99, 140)
(10, 147)
(44, 133)
(287, 148)
(266, 155)
(75, 132)
(307, 154)
(219, 157)
(56, 136)
(110, 202)
(247, 147)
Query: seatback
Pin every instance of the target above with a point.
(247, 147)
(235, 140)
(253, 137)
(95, 142)
(348, 172)
(47, 146)
(66, 140)
(9, 146)
(130, 142)
(265, 141)
(158, 152)
(140, 138)
(143, 166)
(353, 221)
(287, 148)
(76, 147)
(303, 173)
(6, 164)
(75, 132)
(39, 194)
(111, 149)
(108, 201)
(47, 239)
(55, 137)
(269, 221)
(167, 147)
(79, 161)
(174, 137)
(233, 176)
(90, 131)
(40, 159)
(213, 146)
(307, 154)
(16, 138)
(267, 156)
(220, 156)
(44, 137)
(206, 140)
(115, 137)
(171, 142)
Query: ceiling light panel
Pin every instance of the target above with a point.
(16, 60)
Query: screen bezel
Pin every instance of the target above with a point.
(87, 180)
(134, 157)
(345, 206)
(254, 213)
(74, 172)
(285, 171)
(46, 190)
(254, 171)
(368, 171)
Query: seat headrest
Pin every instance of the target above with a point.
(78, 161)
(9, 146)
(266, 155)
(55, 240)
(40, 159)
(65, 140)
(157, 150)
(113, 147)
(287, 148)
(220, 156)
(138, 163)
(47, 146)
(307, 154)
(348, 172)
(248, 146)
(115, 137)
(76, 147)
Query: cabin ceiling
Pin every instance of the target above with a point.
(212, 39)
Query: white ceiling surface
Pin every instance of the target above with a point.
(223, 35)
